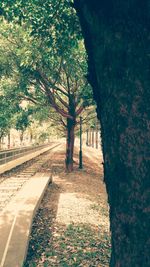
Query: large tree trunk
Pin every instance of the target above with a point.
(0, 143)
(70, 145)
(117, 39)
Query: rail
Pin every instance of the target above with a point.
(11, 154)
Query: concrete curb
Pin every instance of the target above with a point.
(16, 220)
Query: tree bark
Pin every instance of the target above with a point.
(96, 138)
(8, 145)
(70, 145)
(21, 136)
(117, 40)
(31, 136)
(71, 123)
(93, 137)
(0, 143)
(87, 137)
(90, 136)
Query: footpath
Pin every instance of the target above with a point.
(71, 227)
(21, 204)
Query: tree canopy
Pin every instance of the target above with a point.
(45, 58)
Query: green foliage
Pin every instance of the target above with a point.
(50, 20)
(7, 110)
(22, 120)
(29, 58)
(5, 117)
(43, 136)
(43, 57)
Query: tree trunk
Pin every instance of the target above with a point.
(0, 143)
(92, 137)
(117, 40)
(8, 145)
(21, 137)
(70, 145)
(96, 138)
(87, 137)
(31, 136)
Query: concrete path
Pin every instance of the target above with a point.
(16, 221)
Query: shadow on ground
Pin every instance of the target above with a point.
(71, 227)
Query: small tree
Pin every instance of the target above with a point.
(22, 121)
(8, 108)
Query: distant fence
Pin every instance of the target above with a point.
(11, 154)
(93, 138)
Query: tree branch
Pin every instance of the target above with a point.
(79, 110)
(50, 95)
(61, 89)
(33, 100)
(57, 120)
(61, 111)
(61, 100)
(49, 83)
(63, 123)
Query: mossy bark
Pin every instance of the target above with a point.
(117, 40)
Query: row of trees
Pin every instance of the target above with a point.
(43, 56)
(12, 116)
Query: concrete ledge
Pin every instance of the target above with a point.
(14, 163)
(16, 221)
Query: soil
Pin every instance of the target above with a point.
(71, 227)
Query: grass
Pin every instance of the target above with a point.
(79, 245)
(76, 246)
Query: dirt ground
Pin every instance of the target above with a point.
(71, 227)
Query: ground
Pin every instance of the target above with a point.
(71, 227)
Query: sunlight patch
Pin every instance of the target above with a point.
(74, 209)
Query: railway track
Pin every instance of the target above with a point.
(12, 182)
